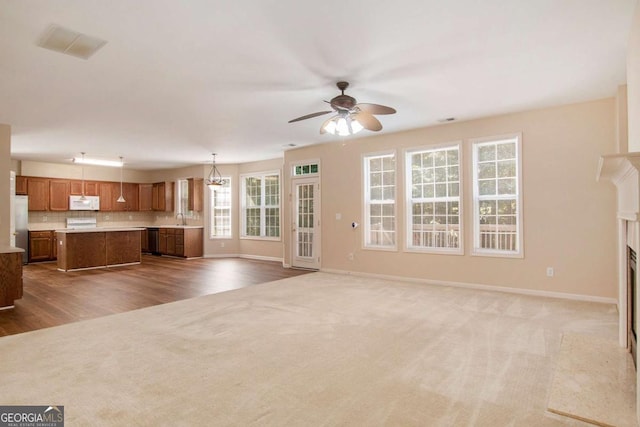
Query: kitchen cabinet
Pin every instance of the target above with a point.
(162, 196)
(38, 192)
(196, 194)
(130, 194)
(42, 245)
(144, 240)
(80, 249)
(21, 185)
(11, 277)
(145, 197)
(91, 188)
(181, 242)
(54, 245)
(59, 194)
(107, 200)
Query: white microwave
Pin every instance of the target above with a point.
(88, 203)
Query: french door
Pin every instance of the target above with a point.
(306, 224)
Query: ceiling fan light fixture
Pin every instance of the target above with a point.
(343, 126)
(215, 178)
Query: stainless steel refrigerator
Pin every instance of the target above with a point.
(21, 212)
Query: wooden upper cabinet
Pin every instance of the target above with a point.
(38, 192)
(75, 187)
(91, 188)
(130, 194)
(131, 191)
(21, 185)
(196, 194)
(162, 196)
(105, 190)
(145, 197)
(59, 194)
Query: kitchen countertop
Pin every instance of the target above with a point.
(10, 250)
(62, 228)
(175, 226)
(98, 229)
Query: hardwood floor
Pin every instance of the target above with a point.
(52, 297)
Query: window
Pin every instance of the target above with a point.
(261, 205)
(305, 169)
(182, 196)
(433, 199)
(380, 201)
(496, 195)
(220, 197)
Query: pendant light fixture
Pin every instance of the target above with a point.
(215, 178)
(121, 198)
(83, 197)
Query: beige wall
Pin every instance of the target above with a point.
(73, 171)
(222, 247)
(261, 248)
(622, 119)
(5, 184)
(252, 248)
(569, 219)
(633, 82)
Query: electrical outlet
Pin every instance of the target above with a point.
(350, 256)
(130, 217)
(222, 244)
(550, 272)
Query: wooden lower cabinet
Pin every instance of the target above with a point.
(43, 246)
(10, 278)
(93, 249)
(181, 242)
(123, 247)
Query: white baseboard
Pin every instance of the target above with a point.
(261, 258)
(533, 292)
(221, 256)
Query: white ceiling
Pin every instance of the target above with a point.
(178, 80)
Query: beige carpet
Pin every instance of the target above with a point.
(315, 350)
(594, 381)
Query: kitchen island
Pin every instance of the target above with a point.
(10, 275)
(98, 247)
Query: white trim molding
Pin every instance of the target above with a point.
(477, 286)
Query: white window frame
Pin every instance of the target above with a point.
(212, 209)
(477, 250)
(263, 207)
(367, 202)
(294, 165)
(179, 196)
(409, 247)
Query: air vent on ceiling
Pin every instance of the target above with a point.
(446, 120)
(70, 42)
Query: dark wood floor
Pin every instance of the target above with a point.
(52, 297)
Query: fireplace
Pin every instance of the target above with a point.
(631, 303)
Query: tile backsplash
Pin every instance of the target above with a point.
(57, 220)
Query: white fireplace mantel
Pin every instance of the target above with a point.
(623, 170)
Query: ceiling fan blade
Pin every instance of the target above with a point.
(367, 121)
(309, 116)
(376, 109)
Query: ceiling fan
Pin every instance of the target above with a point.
(351, 117)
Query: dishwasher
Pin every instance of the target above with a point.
(154, 240)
